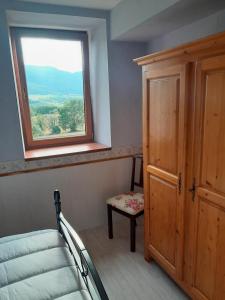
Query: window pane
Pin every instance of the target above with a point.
(54, 76)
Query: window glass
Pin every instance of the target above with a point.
(54, 81)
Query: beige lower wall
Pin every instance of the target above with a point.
(26, 200)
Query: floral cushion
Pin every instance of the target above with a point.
(131, 202)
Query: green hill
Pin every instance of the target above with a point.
(51, 81)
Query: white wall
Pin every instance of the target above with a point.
(10, 132)
(11, 145)
(125, 92)
(130, 13)
(100, 85)
(206, 26)
(26, 200)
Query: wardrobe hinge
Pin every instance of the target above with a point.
(179, 183)
(193, 189)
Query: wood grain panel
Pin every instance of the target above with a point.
(210, 248)
(164, 150)
(219, 289)
(163, 218)
(215, 198)
(214, 44)
(190, 78)
(209, 237)
(164, 109)
(206, 249)
(213, 159)
(145, 124)
(162, 174)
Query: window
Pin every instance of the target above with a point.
(52, 74)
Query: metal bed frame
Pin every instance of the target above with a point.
(80, 254)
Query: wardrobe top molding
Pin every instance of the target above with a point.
(214, 43)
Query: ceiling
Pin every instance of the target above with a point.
(141, 21)
(182, 13)
(97, 4)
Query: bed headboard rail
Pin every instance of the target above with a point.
(80, 254)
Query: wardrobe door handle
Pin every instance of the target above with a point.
(180, 183)
(193, 189)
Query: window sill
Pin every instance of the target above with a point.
(64, 150)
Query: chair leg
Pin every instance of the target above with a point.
(110, 223)
(132, 233)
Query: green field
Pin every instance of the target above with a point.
(56, 115)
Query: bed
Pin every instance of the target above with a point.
(48, 264)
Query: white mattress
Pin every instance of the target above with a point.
(39, 266)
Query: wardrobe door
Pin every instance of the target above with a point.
(164, 162)
(209, 241)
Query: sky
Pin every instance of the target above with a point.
(60, 54)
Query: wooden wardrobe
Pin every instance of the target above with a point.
(184, 164)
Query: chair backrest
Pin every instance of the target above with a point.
(138, 183)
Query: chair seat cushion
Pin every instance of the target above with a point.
(131, 202)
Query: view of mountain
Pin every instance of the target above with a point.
(51, 81)
(56, 101)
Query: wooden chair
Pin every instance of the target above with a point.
(130, 205)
